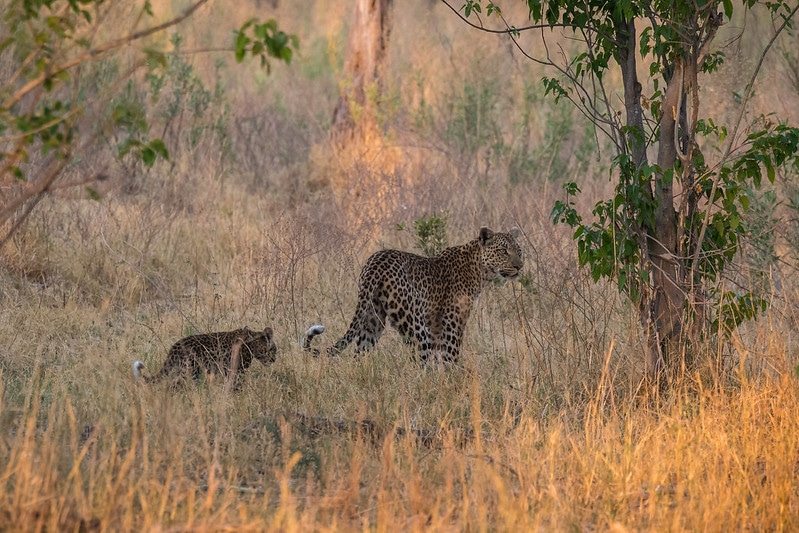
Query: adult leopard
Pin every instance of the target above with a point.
(427, 300)
(213, 353)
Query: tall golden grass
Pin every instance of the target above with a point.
(542, 426)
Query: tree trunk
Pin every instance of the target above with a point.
(355, 112)
(662, 300)
(668, 305)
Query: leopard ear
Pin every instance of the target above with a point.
(515, 232)
(485, 235)
(268, 332)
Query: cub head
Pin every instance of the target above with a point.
(261, 344)
(501, 254)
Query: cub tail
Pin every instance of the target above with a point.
(310, 333)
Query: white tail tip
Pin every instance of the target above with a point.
(137, 368)
(315, 330)
(310, 333)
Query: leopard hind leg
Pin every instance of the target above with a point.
(373, 324)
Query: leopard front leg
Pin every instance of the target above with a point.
(449, 330)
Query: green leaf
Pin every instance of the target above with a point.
(744, 200)
(247, 24)
(734, 221)
(727, 8)
(769, 169)
(534, 7)
(154, 58)
(241, 46)
(148, 156)
(93, 194)
(260, 31)
(158, 146)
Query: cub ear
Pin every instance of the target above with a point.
(250, 335)
(515, 232)
(268, 332)
(485, 235)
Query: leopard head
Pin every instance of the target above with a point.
(501, 254)
(261, 344)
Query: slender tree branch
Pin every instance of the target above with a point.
(99, 51)
(588, 110)
(511, 30)
(36, 193)
(728, 149)
(584, 102)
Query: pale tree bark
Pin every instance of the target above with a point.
(355, 112)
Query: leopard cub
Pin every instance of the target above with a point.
(212, 353)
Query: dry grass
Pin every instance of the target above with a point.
(540, 428)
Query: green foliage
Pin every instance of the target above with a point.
(186, 110)
(266, 40)
(424, 114)
(472, 6)
(547, 143)
(42, 43)
(127, 114)
(609, 245)
(430, 232)
(386, 104)
(771, 147)
(527, 283)
(316, 61)
(790, 184)
(66, 90)
(734, 309)
(475, 124)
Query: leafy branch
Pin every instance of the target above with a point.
(50, 44)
